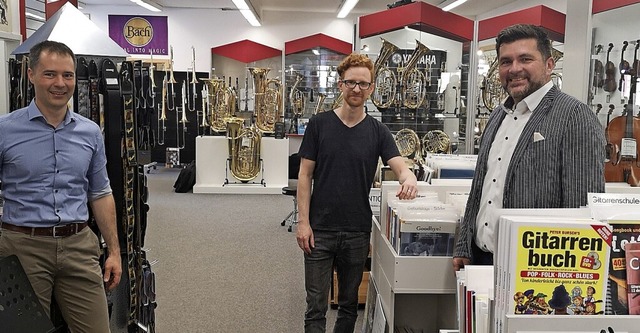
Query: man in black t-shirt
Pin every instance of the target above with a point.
(340, 152)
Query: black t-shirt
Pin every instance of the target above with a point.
(345, 164)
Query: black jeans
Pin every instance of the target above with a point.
(348, 251)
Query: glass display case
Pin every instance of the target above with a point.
(421, 85)
(311, 85)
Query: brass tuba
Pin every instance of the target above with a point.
(296, 97)
(222, 104)
(385, 79)
(268, 100)
(413, 81)
(244, 149)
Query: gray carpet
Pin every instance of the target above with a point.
(225, 263)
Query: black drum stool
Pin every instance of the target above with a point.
(292, 218)
(20, 309)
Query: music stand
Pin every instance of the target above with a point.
(20, 309)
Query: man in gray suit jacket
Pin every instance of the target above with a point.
(540, 149)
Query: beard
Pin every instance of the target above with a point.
(355, 100)
(523, 89)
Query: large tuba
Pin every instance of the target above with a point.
(385, 79)
(244, 149)
(268, 100)
(413, 81)
(221, 103)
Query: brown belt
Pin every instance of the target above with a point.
(57, 231)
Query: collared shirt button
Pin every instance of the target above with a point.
(515, 118)
(506, 138)
(57, 171)
(494, 180)
(56, 191)
(499, 158)
(57, 211)
(489, 201)
(486, 224)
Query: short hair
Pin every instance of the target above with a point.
(525, 31)
(49, 46)
(355, 60)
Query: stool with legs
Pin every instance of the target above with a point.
(292, 218)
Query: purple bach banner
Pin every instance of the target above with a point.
(140, 34)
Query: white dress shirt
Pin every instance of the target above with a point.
(500, 155)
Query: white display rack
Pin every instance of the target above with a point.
(415, 292)
(568, 324)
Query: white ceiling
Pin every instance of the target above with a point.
(469, 9)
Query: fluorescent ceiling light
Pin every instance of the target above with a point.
(152, 6)
(448, 5)
(347, 6)
(246, 9)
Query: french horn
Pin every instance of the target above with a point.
(244, 149)
(408, 142)
(436, 142)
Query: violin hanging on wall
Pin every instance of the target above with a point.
(622, 150)
(598, 69)
(610, 74)
(624, 65)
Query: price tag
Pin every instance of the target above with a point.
(628, 148)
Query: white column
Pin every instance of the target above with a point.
(577, 49)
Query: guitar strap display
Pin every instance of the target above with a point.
(82, 90)
(130, 168)
(94, 94)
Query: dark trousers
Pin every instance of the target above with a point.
(348, 251)
(480, 257)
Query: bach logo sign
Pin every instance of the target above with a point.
(140, 34)
(138, 31)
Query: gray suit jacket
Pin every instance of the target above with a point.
(556, 172)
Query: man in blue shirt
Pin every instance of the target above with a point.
(52, 163)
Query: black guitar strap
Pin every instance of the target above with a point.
(94, 94)
(82, 88)
(129, 165)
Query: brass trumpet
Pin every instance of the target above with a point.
(320, 106)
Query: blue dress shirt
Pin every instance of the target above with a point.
(49, 174)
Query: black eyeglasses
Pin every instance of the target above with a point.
(352, 84)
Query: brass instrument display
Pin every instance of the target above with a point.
(267, 99)
(436, 142)
(408, 142)
(244, 150)
(320, 105)
(221, 104)
(384, 94)
(413, 83)
(492, 92)
(296, 97)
